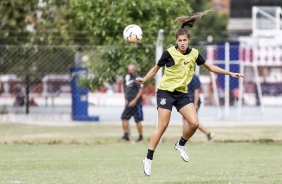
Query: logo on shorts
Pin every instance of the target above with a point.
(163, 101)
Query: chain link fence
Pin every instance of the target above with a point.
(42, 80)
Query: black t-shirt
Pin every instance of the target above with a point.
(167, 60)
(131, 88)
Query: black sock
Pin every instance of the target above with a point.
(126, 135)
(150, 154)
(141, 136)
(182, 141)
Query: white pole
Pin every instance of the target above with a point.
(215, 94)
(277, 16)
(241, 89)
(226, 89)
(159, 51)
(254, 20)
(259, 90)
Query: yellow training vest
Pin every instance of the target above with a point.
(178, 76)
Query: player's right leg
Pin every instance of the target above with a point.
(163, 120)
(165, 101)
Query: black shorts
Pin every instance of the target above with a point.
(135, 111)
(167, 99)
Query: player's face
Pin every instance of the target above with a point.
(182, 42)
(131, 69)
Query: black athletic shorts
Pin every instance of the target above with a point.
(135, 111)
(167, 99)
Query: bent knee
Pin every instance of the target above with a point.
(162, 126)
(194, 124)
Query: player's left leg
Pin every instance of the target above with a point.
(190, 115)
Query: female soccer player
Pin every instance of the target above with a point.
(179, 62)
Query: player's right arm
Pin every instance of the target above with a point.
(150, 74)
(162, 61)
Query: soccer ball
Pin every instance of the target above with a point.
(132, 33)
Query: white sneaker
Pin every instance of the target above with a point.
(182, 151)
(147, 164)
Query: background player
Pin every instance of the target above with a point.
(194, 88)
(133, 103)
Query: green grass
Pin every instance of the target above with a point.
(91, 153)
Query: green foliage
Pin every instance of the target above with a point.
(13, 20)
(28, 25)
(213, 24)
(101, 23)
(25, 23)
(105, 22)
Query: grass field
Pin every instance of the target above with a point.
(91, 153)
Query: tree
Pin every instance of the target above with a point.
(214, 24)
(30, 24)
(99, 24)
(13, 20)
(38, 22)
(105, 21)
(23, 26)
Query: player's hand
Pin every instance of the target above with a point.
(237, 75)
(131, 103)
(139, 80)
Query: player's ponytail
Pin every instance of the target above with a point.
(191, 20)
(188, 21)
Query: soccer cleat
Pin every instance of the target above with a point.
(182, 151)
(125, 138)
(140, 139)
(147, 164)
(210, 135)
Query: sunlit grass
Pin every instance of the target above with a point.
(92, 153)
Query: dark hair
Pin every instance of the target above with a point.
(188, 21)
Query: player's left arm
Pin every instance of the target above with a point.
(219, 70)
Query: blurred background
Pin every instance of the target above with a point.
(64, 61)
